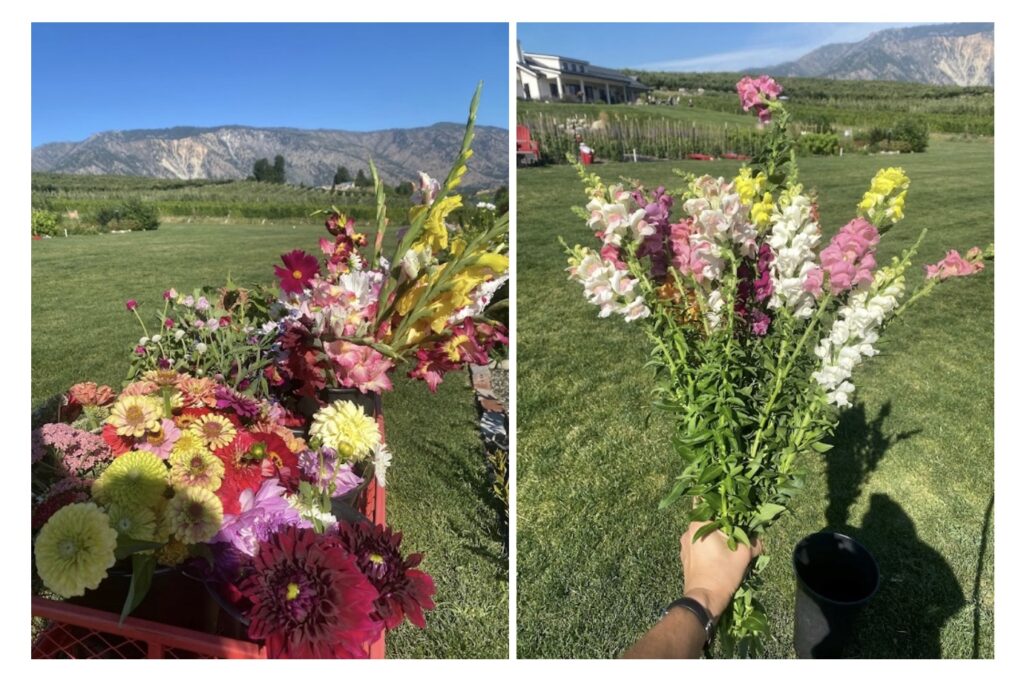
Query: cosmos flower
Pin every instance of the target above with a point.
(309, 598)
(74, 549)
(299, 269)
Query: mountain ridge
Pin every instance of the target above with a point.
(937, 54)
(228, 152)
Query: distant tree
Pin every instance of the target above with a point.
(261, 171)
(404, 189)
(362, 180)
(501, 199)
(278, 176)
(342, 176)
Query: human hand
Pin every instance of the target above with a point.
(712, 572)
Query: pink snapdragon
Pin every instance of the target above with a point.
(692, 252)
(756, 92)
(849, 259)
(955, 265)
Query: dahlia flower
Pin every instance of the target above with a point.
(261, 514)
(309, 598)
(404, 591)
(194, 515)
(135, 415)
(346, 428)
(135, 479)
(75, 549)
(381, 463)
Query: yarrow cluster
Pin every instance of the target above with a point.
(757, 322)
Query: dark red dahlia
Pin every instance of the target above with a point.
(309, 599)
(404, 591)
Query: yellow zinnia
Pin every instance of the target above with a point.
(216, 431)
(137, 523)
(135, 415)
(198, 467)
(194, 515)
(74, 549)
(136, 479)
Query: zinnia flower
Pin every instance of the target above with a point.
(344, 427)
(135, 479)
(162, 441)
(194, 515)
(134, 416)
(216, 431)
(198, 468)
(404, 591)
(74, 549)
(137, 523)
(299, 269)
(172, 554)
(309, 599)
(244, 406)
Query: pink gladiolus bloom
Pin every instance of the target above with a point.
(360, 367)
(955, 265)
(131, 304)
(849, 258)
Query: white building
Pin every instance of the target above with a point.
(551, 77)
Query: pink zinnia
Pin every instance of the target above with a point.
(955, 265)
(299, 269)
(849, 259)
(161, 443)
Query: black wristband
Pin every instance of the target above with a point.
(698, 611)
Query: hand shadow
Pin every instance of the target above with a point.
(919, 591)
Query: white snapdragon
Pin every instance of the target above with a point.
(793, 238)
(852, 338)
(609, 288)
(715, 304)
(618, 218)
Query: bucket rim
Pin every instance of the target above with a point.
(857, 544)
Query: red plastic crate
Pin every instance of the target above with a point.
(77, 632)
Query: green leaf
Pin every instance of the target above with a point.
(708, 528)
(741, 536)
(821, 447)
(129, 546)
(768, 512)
(143, 567)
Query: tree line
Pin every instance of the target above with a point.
(265, 172)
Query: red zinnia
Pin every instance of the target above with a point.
(309, 599)
(118, 444)
(404, 591)
(299, 269)
(250, 459)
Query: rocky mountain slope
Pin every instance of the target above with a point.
(943, 54)
(311, 155)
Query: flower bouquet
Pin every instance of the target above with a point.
(222, 332)
(350, 320)
(756, 324)
(187, 475)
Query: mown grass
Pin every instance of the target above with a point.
(911, 474)
(437, 487)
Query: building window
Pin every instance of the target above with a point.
(554, 89)
(526, 90)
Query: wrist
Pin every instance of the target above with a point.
(707, 600)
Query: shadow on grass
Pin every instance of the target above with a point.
(976, 649)
(919, 591)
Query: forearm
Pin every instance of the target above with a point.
(679, 635)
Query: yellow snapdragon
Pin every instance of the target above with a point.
(883, 203)
(748, 186)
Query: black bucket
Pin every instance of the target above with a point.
(835, 577)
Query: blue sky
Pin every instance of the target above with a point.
(688, 47)
(88, 78)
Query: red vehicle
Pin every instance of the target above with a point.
(527, 150)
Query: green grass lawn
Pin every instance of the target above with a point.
(911, 474)
(437, 488)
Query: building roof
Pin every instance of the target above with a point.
(530, 63)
